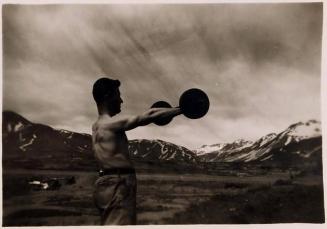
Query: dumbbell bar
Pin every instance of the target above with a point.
(194, 104)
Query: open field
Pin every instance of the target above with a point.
(168, 199)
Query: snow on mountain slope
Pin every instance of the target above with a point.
(36, 141)
(205, 149)
(160, 150)
(222, 152)
(294, 137)
(300, 131)
(12, 122)
(265, 139)
(22, 137)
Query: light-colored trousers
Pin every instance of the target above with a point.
(115, 197)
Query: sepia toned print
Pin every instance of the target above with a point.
(162, 114)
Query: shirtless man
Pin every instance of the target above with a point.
(115, 189)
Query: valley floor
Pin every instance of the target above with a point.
(168, 199)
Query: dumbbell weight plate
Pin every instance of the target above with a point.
(162, 104)
(194, 103)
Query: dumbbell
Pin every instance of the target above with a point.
(194, 104)
(162, 121)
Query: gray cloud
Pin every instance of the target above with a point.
(259, 64)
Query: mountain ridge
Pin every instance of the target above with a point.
(262, 149)
(25, 140)
(43, 145)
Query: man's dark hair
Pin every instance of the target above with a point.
(104, 87)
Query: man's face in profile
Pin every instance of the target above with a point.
(114, 103)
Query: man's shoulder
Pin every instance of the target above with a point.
(106, 121)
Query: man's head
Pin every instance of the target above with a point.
(107, 96)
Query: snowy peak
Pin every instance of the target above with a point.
(300, 131)
(309, 129)
(222, 152)
(205, 149)
(223, 147)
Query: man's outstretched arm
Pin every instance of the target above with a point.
(144, 119)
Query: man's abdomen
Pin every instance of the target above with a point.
(112, 160)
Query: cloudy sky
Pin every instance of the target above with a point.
(258, 63)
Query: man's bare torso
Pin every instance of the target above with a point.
(110, 147)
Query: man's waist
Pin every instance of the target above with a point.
(112, 171)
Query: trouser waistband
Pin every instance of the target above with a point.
(117, 171)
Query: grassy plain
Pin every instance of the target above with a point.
(168, 199)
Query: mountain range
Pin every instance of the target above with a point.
(299, 141)
(32, 145)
